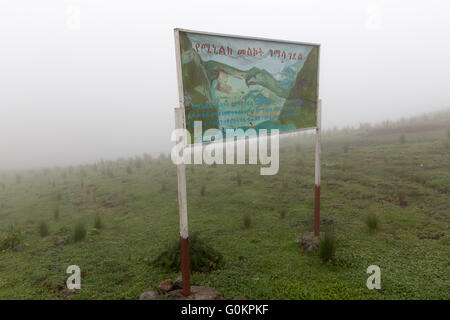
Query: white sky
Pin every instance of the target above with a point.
(106, 87)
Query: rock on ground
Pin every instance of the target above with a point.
(309, 242)
(149, 295)
(165, 286)
(178, 284)
(197, 293)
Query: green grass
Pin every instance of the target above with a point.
(140, 209)
(247, 221)
(43, 229)
(79, 232)
(203, 257)
(373, 222)
(327, 247)
(98, 224)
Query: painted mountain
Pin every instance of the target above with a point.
(261, 90)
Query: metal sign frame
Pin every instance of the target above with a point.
(180, 123)
(180, 76)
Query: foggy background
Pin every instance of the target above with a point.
(84, 80)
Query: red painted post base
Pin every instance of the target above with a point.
(316, 210)
(185, 266)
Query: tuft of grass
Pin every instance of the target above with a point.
(56, 214)
(203, 190)
(43, 228)
(79, 232)
(203, 257)
(446, 144)
(164, 187)
(98, 224)
(13, 238)
(402, 200)
(373, 222)
(327, 247)
(247, 221)
(129, 170)
(402, 138)
(346, 148)
(285, 185)
(239, 179)
(283, 212)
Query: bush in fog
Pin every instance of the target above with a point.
(56, 214)
(43, 228)
(79, 232)
(346, 148)
(138, 162)
(129, 170)
(12, 239)
(446, 144)
(98, 222)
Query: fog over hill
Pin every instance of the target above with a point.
(84, 80)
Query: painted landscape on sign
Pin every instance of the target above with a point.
(231, 83)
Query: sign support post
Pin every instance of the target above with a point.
(317, 172)
(182, 204)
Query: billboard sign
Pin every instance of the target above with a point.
(233, 82)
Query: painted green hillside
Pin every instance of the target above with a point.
(305, 88)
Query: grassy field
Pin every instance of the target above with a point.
(401, 172)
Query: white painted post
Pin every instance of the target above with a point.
(317, 171)
(182, 204)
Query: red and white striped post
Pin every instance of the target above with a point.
(182, 204)
(317, 172)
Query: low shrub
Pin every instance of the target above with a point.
(203, 190)
(203, 257)
(283, 212)
(327, 247)
(372, 222)
(247, 220)
(13, 238)
(79, 232)
(98, 224)
(346, 148)
(402, 200)
(56, 214)
(43, 229)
